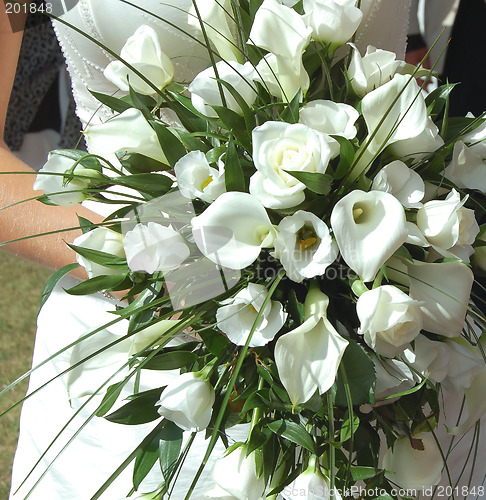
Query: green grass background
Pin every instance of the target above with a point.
(21, 285)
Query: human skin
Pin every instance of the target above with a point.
(31, 217)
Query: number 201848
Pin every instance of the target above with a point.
(26, 8)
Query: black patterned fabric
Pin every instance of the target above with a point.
(34, 102)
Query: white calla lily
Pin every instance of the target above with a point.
(142, 51)
(238, 314)
(442, 288)
(219, 26)
(308, 357)
(369, 228)
(153, 247)
(414, 463)
(232, 231)
(393, 112)
(402, 182)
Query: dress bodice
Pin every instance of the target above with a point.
(111, 22)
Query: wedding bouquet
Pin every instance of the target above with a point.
(297, 233)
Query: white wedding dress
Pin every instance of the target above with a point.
(101, 446)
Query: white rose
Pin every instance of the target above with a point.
(402, 182)
(414, 468)
(447, 362)
(216, 16)
(304, 246)
(468, 166)
(238, 314)
(448, 226)
(330, 118)
(282, 77)
(389, 319)
(65, 191)
(236, 473)
(205, 91)
(420, 146)
(372, 70)
(332, 21)
(104, 240)
(142, 51)
(443, 289)
(279, 30)
(369, 228)
(197, 179)
(154, 247)
(279, 149)
(127, 132)
(188, 402)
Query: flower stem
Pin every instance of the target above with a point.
(332, 451)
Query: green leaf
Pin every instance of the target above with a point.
(169, 448)
(190, 118)
(437, 99)
(363, 473)
(293, 432)
(295, 308)
(361, 376)
(98, 283)
(346, 156)
(291, 112)
(53, 280)
(236, 124)
(215, 341)
(214, 154)
(86, 225)
(234, 178)
(102, 258)
(109, 399)
(347, 430)
(148, 183)
(171, 145)
(140, 163)
(171, 360)
(141, 103)
(315, 182)
(140, 410)
(112, 102)
(84, 158)
(145, 460)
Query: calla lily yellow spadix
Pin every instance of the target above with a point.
(308, 357)
(369, 228)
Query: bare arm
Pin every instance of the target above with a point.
(32, 217)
